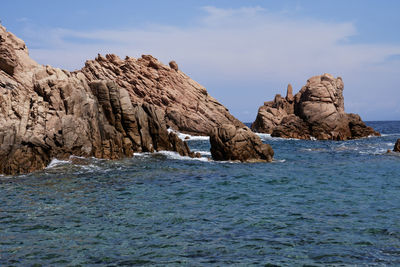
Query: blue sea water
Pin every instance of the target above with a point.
(320, 203)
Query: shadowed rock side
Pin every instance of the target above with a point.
(317, 110)
(50, 113)
(397, 146)
(239, 144)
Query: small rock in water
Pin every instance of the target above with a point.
(229, 142)
(397, 146)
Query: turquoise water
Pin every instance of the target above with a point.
(320, 203)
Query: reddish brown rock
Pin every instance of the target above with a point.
(397, 146)
(317, 110)
(173, 65)
(186, 104)
(239, 144)
(110, 109)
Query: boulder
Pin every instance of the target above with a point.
(229, 142)
(173, 65)
(317, 110)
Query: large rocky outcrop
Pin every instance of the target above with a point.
(317, 110)
(239, 144)
(186, 104)
(110, 109)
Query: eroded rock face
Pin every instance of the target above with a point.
(186, 104)
(47, 112)
(239, 144)
(397, 146)
(317, 110)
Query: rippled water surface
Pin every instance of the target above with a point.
(320, 203)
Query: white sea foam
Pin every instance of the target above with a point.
(377, 151)
(264, 135)
(175, 155)
(394, 134)
(171, 155)
(188, 137)
(142, 154)
(56, 162)
(203, 153)
(92, 168)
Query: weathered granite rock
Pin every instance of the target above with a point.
(397, 146)
(173, 65)
(239, 144)
(317, 110)
(110, 109)
(186, 104)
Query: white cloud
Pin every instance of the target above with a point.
(234, 49)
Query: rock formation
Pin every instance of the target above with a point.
(109, 109)
(397, 146)
(239, 144)
(187, 106)
(317, 110)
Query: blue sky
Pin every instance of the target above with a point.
(243, 52)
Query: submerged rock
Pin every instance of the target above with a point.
(109, 109)
(229, 142)
(317, 110)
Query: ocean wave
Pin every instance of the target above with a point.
(378, 151)
(203, 153)
(175, 155)
(170, 155)
(265, 136)
(392, 134)
(57, 162)
(188, 137)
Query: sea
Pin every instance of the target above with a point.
(319, 203)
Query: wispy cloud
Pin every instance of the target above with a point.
(242, 47)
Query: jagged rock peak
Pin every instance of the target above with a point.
(289, 93)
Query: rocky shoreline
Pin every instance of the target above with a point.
(112, 108)
(109, 109)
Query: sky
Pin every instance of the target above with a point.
(243, 52)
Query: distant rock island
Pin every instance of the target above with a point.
(397, 146)
(316, 111)
(109, 109)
